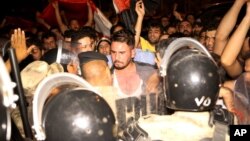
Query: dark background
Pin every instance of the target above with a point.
(27, 8)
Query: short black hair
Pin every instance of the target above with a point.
(69, 33)
(112, 29)
(212, 25)
(124, 36)
(84, 32)
(156, 24)
(34, 41)
(48, 34)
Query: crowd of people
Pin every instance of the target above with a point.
(125, 69)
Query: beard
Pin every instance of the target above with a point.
(120, 65)
(187, 33)
(153, 42)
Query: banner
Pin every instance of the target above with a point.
(78, 9)
(73, 9)
(121, 5)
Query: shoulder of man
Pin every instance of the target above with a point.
(146, 46)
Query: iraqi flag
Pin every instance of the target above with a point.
(77, 9)
(102, 24)
(121, 5)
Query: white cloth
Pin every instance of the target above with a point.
(102, 24)
(180, 126)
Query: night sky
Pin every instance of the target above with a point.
(23, 8)
(27, 8)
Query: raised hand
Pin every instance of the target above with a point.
(176, 13)
(88, 3)
(18, 42)
(139, 8)
(228, 98)
(55, 4)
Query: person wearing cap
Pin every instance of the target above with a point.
(95, 71)
(103, 46)
(94, 68)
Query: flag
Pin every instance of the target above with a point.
(77, 9)
(73, 9)
(121, 5)
(102, 24)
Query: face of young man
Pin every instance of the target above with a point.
(164, 21)
(49, 43)
(202, 38)
(186, 28)
(74, 24)
(154, 35)
(104, 48)
(85, 44)
(210, 40)
(171, 30)
(121, 54)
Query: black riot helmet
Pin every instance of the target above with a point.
(191, 76)
(77, 112)
(78, 115)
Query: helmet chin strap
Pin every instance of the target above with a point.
(178, 44)
(42, 92)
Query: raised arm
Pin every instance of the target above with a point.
(177, 14)
(227, 95)
(234, 45)
(226, 26)
(42, 21)
(18, 42)
(139, 8)
(90, 15)
(60, 23)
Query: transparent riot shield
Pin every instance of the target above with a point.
(65, 54)
(242, 98)
(53, 84)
